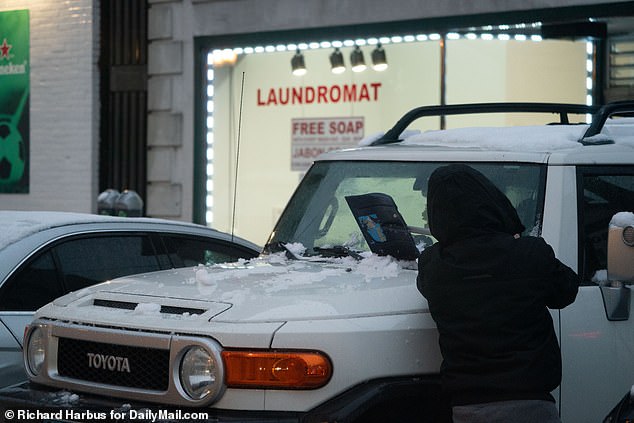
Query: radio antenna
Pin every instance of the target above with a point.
(235, 182)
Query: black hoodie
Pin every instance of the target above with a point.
(489, 291)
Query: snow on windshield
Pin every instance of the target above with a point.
(342, 274)
(284, 273)
(272, 274)
(371, 266)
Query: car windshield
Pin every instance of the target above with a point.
(319, 218)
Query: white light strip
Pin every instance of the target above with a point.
(232, 53)
(510, 33)
(209, 148)
(589, 74)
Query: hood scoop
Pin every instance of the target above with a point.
(164, 309)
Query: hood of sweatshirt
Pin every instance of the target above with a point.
(462, 203)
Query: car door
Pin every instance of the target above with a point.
(597, 344)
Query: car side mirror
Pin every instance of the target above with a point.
(616, 296)
(621, 248)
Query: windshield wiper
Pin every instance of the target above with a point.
(337, 251)
(281, 246)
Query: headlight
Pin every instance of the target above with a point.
(36, 353)
(200, 374)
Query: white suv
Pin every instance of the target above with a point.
(327, 324)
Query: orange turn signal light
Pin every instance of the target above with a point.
(276, 369)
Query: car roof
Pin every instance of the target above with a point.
(17, 225)
(555, 144)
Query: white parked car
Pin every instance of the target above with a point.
(328, 324)
(45, 255)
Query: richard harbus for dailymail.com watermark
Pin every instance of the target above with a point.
(145, 415)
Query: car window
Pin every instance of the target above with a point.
(190, 251)
(34, 286)
(89, 260)
(604, 192)
(318, 215)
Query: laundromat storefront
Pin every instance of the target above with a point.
(262, 125)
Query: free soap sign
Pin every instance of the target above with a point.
(311, 137)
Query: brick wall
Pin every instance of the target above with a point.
(64, 109)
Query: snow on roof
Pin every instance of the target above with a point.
(524, 138)
(542, 138)
(15, 225)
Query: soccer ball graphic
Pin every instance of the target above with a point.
(12, 152)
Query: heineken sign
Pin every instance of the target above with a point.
(14, 101)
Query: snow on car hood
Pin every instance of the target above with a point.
(267, 289)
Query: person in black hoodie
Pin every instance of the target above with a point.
(489, 290)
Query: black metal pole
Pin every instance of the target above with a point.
(443, 87)
(600, 70)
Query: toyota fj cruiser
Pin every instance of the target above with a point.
(327, 325)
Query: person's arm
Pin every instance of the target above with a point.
(422, 260)
(566, 285)
(562, 283)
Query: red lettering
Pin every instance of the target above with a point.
(376, 86)
(335, 93)
(297, 95)
(283, 96)
(271, 99)
(350, 93)
(322, 94)
(308, 128)
(308, 152)
(309, 96)
(364, 95)
(345, 127)
(322, 90)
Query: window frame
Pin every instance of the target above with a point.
(224, 246)
(581, 172)
(154, 236)
(106, 234)
(50, 248)
(11, 281)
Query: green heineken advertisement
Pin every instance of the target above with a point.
(14, 101)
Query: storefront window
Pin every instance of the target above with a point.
(264, 126)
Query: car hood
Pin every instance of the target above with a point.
(267, 289)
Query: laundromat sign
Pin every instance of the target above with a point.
(319, 94)
(311, 137)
